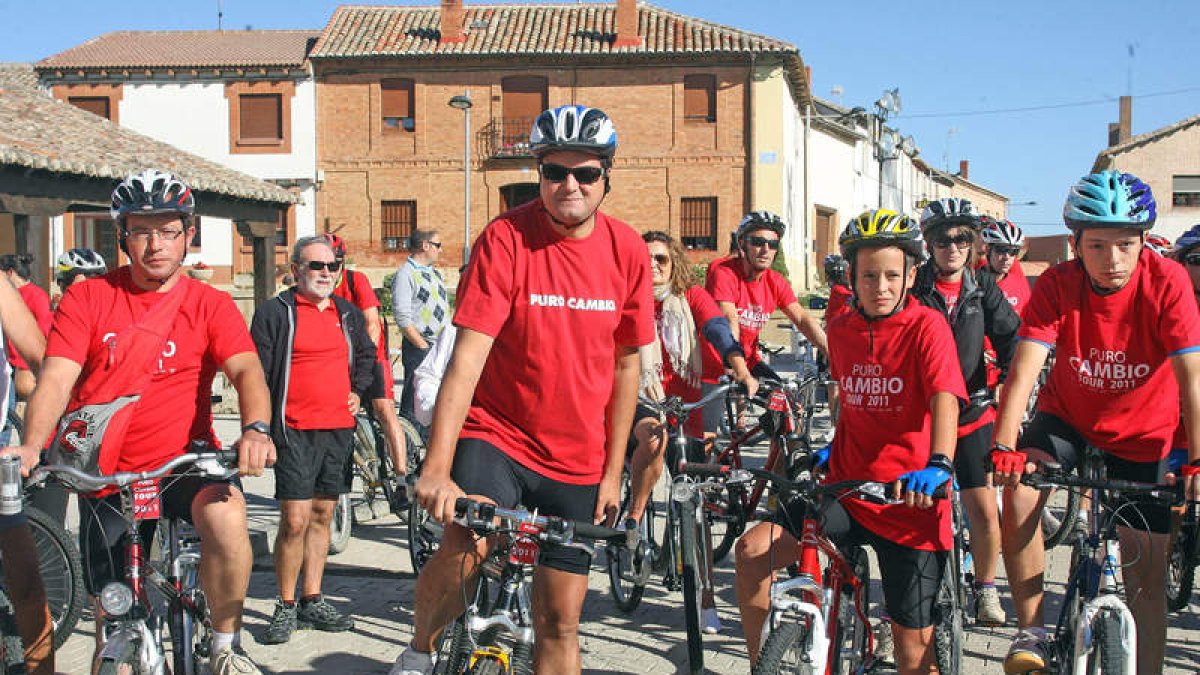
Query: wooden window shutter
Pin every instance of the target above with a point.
(260, 117)
(396, 103)
(97, 105)
(700, 98)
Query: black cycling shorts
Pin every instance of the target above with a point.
(910, 577)
(102, 526)
(1066, 445)
(972, 458)
(480, 468)
(315, 462)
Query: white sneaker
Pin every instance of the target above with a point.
(413, 662)
(711, 621)
(988, 611)
(232, 661)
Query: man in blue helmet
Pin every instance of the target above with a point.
(1127, 335)
(536, 404)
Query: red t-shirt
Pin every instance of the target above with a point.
(888, 370)
(839, 301)
(38, 303)
(176, 406)
(319, 384)
(363, 296)
(755, 301)
(1111, 380)
(704, 309)
(949, 290)
(1015, 287)
(558, 308)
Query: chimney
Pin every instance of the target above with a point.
(627, 25)
(451, 27)
(964, 169)
(1125, 122)
(1114, 134)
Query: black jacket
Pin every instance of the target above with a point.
(981, 310)
(273, 330)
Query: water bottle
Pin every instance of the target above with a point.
(10, 485)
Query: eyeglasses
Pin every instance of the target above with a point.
(1005, 250)
(584, 175)
(1192, 259)
(318, 265)
(435, 244)
(146, 235)
(661, 258)
(772, 244)
(959, 240)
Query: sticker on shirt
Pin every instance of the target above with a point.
(580, 304)
(753, 317)
(870, 389)
(1107, 371)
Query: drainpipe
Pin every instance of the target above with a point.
(809, 258)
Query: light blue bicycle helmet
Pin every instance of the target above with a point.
(1110, 199)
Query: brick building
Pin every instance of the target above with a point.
(682, 93)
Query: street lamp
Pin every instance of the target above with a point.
(886, 140)
(464, 104)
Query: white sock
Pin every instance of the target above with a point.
(222, 640)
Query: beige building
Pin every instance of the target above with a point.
(1168, 159)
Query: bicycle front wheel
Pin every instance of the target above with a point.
(1181, 568)
(692, 548)
(624, 575)
(61, 570)
(785, 651)
(948, 618)
(341, 525)
(125, 663)
(1109, 656)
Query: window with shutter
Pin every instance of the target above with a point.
(525, 97)
(97, 105)
(1185, 191)
(261, 119)
(396, 104)
(698, 222)
(700, 98)
(399, 219)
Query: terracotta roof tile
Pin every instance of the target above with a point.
(18, 76)
(187, 49)
(373, 31)
(38, 132)
(1141, 139)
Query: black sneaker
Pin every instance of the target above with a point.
(283, 624)
(321, 615)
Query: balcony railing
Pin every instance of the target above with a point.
(506, 137)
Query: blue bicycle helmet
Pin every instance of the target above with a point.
(1187, 241)
(1110, 199)
(573, 127)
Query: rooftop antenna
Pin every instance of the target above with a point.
(836, 92)
(946, 154)
(220, 15)
(1129, 70)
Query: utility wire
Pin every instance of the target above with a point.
(1052, 106)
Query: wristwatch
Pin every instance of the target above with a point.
(259, 426)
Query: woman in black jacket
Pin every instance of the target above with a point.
(975, 308)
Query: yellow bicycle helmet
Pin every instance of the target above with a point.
(878, 228)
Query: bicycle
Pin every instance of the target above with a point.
(1096, 631)
(817, 621)
(787, 416)
(1184, 556)
(61, 569)
(376, 476)
(494, 635)
(133, 626)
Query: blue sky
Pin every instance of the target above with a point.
(946, 58)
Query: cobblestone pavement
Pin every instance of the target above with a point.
(372, 580)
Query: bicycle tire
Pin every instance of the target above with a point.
(728, 510)
(626, 590)
(948, 618)
(414, 445)
(369, 452)
(424, 536)
(341, 525)
(1181, 568)
(61, 568)
(454, 654)
(128, 659)
(12, 650)
(1108, 654)
(183, 632)
(850, 633)
(773, 659)
(1066, 516)
(689, 544)
(385, 467)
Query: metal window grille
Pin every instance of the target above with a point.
(399, 219)
(698, 222)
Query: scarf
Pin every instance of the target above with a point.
(676, 335)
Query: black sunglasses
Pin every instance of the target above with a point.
(1192, 259)
(772, 244)
(1006, 250)
(959, 240)
(584, 175)
(317, 265)
(662, 259)
(435, 244)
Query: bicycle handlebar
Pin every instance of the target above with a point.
(1052, 475)
(218, 464)
(481, 517)
(872, 491)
